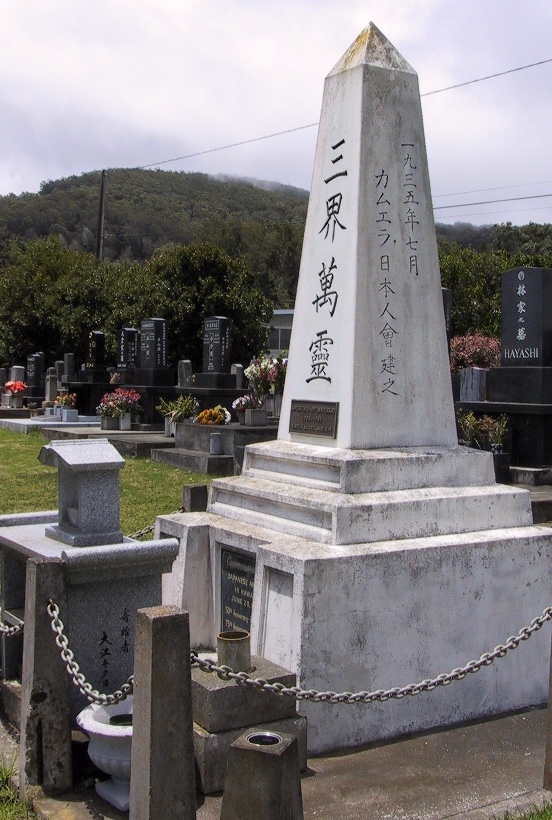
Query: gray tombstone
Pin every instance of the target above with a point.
(184, 373)
(17, 373)
(51, 386)
(237, 371)
(69, 367)
(59, 367)
(216, 345)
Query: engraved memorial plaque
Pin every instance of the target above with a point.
(314, 418)
(237, 573)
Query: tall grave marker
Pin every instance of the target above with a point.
(383, 552)
(368, 346)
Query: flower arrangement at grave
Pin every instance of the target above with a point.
(247, 402)
(185, 407)
(66, 400)
(14, 387)
(471, 429)
(267, 375)
(495, 429)
(214, 415)
(118, 403)
(474, 350)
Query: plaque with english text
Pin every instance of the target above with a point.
(314, 418)
(237, 574)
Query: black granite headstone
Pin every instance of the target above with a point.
(95, 359)
(153, 344)
(216, 345)
(526, 318)
(35, 371)
(127, 354)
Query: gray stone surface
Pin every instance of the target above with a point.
(263, 781)
(194, 497)
(184, 373)
(163, 768)
(220, 705)
(211, 750)
(88, 491)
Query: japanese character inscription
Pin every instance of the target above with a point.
(327, 295)
(106, 646)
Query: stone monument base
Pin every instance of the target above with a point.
(372, 570)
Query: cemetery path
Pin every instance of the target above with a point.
(476, 772)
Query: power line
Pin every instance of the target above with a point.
(314, 124)
(488, 77)
(490, 202)
(499, 188)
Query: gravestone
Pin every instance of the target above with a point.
(185, 373)
(3, 377)
(383, 551)
(153, 369)
(95, 370)
(127, 351)
(17, 373)
(51, 387)
(216, 354)
(69, 373)
(35, 376)
(59, 366)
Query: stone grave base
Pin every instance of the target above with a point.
(463, 569)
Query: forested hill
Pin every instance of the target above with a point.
(260, 222)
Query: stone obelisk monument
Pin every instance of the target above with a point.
(379, 551)
(368, 329)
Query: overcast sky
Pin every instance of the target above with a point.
(92, 84)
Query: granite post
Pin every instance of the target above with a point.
(162, 785)
(45, 745)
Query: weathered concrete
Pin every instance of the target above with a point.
(163, 775)
(262, 780)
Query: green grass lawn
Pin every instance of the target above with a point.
(148, 488)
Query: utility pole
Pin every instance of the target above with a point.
(100, 238)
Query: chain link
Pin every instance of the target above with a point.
(379, 695)
(226, 673)
(73, 668)
(9, 631)
(147, 530)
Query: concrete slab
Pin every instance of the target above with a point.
(474, 772)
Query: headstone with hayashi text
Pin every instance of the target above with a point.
(525, 372)
(216, 354)
(153, 369)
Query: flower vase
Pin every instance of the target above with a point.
(241, 416)
(256, 418)
(277, 405)
(125, 421)
(109, 423)
(168, 432)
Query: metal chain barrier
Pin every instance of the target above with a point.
(226, 673)
(147, 530)
(381, 695)
(9, 631)
(73, 668)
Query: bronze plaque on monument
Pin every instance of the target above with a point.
(314, 418)
(237, 573)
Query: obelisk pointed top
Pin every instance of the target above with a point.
(371, 47)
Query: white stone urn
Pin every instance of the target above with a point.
(110, 748)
